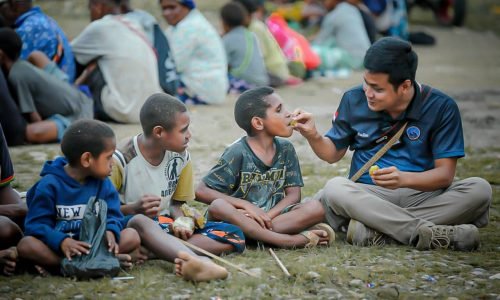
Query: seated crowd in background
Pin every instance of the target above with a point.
(123, 56)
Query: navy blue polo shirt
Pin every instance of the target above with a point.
(434, 131)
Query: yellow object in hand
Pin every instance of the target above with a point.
(293, 123)
(184, 222)
(192, 212)
(373, 169)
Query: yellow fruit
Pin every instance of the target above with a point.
(373, 169)
(293, 123)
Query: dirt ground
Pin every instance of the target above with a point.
(464, 63)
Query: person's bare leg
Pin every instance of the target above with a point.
(41, 132)
(222, 210)
(193, 268)
(129, 243)
(34, 250)
(300, 218)
(38, 59)
(10, 233)
(210, 245)
(161, 244)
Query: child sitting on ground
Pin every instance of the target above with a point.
(256, 183)
(48, 103)
(56, 203)
(274, 59)
(12, 212)
(154, 174)
(342, 39)
(245, 61)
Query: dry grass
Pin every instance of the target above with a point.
(341, 271)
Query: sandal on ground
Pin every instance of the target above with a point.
(312, 238)
(328, 229)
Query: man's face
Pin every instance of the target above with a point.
(7, 13)
(96, 10)
(173, 11)
(380, 93)
(278, 118)
(177, 139)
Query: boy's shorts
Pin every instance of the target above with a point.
(219, 231)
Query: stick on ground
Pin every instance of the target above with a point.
(217, 258)
(280, 264)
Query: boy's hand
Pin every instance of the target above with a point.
(259, 215)
(112, 245)
(71, 247)
(183, 227)
(148, 205)
(303, 122)
(390, 178)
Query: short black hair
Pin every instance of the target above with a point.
(250, 5)
(160, 109)
(10, 43)
(233, 14)
(108, 2)
(394, 57)
(85, 136)
(250, 104)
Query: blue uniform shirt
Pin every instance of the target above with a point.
(40, 32)
(434, 131)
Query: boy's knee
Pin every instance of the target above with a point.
(26, 246)
(216, 208)
(312, 208)
(139, 222)
(130, 238)
(9, 229)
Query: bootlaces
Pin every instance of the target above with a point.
(441, 236)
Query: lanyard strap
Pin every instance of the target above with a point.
(379, 153)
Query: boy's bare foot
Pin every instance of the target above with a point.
(8, 259)
(139, 255)
(41, 271)
(196, 269)
(125, 260)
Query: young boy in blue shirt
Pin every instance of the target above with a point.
(256, 182)
(56, 203)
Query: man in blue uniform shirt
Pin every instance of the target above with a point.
(412, 198)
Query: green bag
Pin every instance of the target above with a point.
(99, 262)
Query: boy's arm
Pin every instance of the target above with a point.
(206, 195)
(41, 218)
(147, 205)
(11, 205)
(292, 196)
(114, 217)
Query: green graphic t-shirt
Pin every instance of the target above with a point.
(241, 174)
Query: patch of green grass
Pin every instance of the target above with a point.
(318, 273)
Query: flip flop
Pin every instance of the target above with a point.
(328, 229)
